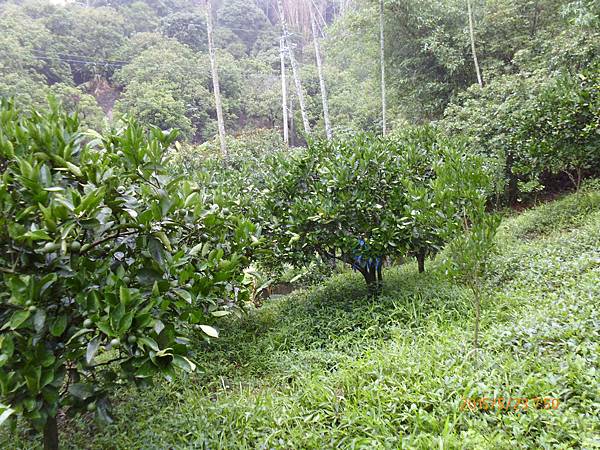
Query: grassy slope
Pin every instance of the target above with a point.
(327, 368)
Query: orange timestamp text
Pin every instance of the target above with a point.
(508, 403)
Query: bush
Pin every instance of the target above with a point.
(106, 261)
(368, 198)
(536, 127)
(563, 131)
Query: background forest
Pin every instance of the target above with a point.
(149, 59)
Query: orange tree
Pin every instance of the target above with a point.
(367, 198)
(107, 261)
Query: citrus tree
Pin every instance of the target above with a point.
(107, 261)
(563, 131)
(468, 257)
(368, 198)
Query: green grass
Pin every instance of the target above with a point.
(327, 368)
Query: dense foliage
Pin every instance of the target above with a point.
(323, 368)
(366, 199)
(104, 257)
(535, 127)
(128, 233)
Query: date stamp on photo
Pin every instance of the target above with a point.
(508, 403)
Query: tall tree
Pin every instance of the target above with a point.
(284, 107)
(473, 49)
(215, 77)
(313, 25)
(382, 63)
(295, 71)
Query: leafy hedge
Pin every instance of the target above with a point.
(106, 261)
(536, 127)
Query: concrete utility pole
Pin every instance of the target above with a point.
(313, 24)
(284, 94)
(215, 77)
(295, 71)
(382, 62)
(474, 51)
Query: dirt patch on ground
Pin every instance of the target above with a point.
(105, 94)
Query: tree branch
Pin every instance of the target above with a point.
(120, 358)
(86, 248)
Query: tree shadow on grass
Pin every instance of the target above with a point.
(338, 317)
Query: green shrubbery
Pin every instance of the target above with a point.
(110, 255)
(364, 199)
(535, 127)
(326, 369)
(106, 261)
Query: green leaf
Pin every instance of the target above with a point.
(116, 314)
(59, 325)
(5, 413)
(164, 239)
(39, 319)
(32, 378)
(125, 322)
(74, 169)
(103, 412)
(124, 295)
(7, 345)
(81, 391)
(79, 333)
(184, 295)
(165, 352)
(184, 363)
(196, 249)
(148, 276)
(17, 319)
(156, 249)
(92, 349)
(38, 235)
(210, 331)
(148, 342)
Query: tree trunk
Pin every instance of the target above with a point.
(313, 24)
(474, 51)
(382, 63)
(421, 262)
(284, 95)
(215, 77)
(374, 278)
(512, 190)
(292, 123)
(379, 276)
(295, 71)
(51, 434)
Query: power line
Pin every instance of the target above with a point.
(76, 59)
(119, 64)
(100, 63)
(247, 29)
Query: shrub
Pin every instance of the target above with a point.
(106, 261)
(536, 127)
(563, 131)
(368, 198)
(469, 256)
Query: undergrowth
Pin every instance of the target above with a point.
(328, 368)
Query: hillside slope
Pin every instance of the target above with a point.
(326, 368)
